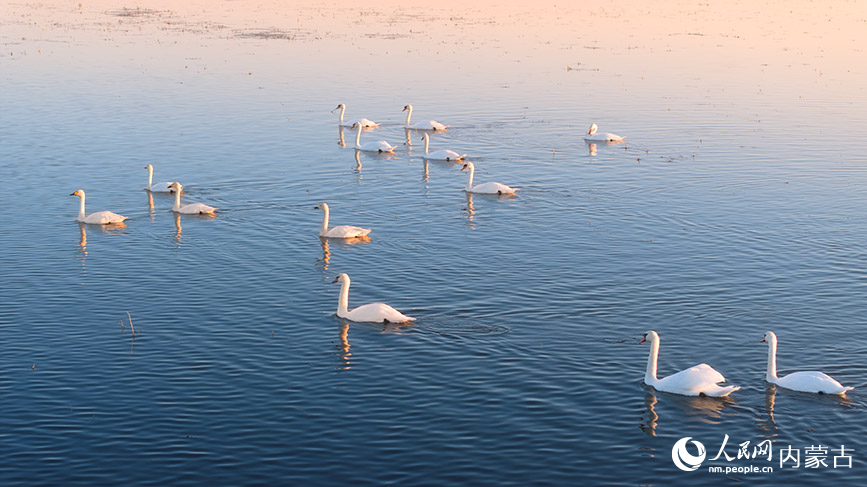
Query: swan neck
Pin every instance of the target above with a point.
(81, 209)
(650, 375)
(470, 181)
(150, 176)
(342, 110)
(324, 228)
(408, 115)
(343, 301)
(177, 201)
(426, 145)
(772, 360)
(358, 137)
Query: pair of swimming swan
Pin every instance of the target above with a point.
(703, 380)
(365, 123)
(176, 188)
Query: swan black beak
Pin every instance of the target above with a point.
(71, 194)
(317, 207)
(335, 280)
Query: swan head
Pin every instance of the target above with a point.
(649, 336)
(149, 167)
(468, 165)
(323, 206)
(79, 193)
(341, 278)
(769, 337)
(176, 185)
(406, 107)
(593, 129)
(339, 107)
(424, 137)
(355, 125)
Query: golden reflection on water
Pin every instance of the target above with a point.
(150, 205)
(344, 345)
(705, 409)
(342, 140)
(178, 227)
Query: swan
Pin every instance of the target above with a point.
(378, 146)
(594, 137)
(694, 381)
(373, 312)
(161, 187)
(485, 188)
(98, 218)
(807, 381)
(440, 155)
(362, 121)
(429, 125)
(192, 208)
(341, 231)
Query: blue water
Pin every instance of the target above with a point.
(730, 210)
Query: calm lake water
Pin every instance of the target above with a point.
(736, 206)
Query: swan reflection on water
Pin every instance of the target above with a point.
(705, 409)
(341, 242)
(592, 147)
(343, 346)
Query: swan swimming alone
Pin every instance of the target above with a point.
(373, 312)
(340, 231)
(440, 155)
(362, 121)
(592, 136)
(429, 125)
(485, 188)
(806, 381)
(161, 187)
(192, 208)
(694, 381)
(378, 146)
(98, 218)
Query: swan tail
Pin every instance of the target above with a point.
(724, 391)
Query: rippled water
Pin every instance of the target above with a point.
(736, 206)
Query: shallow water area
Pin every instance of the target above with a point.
(735, 206)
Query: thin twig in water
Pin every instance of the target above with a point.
(130, 324)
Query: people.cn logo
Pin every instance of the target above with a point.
(683, 459)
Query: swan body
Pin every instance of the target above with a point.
(807, 381)
(440, 155)
(429, 125)
(192, 208)
(378, 146)
(341, 231)
(699, 380)
(485, 188)
(361, 121)
(98, 218)
(373, 312)
(592, 136)
(161, 187)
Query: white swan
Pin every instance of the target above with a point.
(373, 312)
(378, 146)
(161, 187)
(807, 381)
(341, 231)
(98, 218)
(694, 381)
(362, 121)
(192, 208)
(440, 155)
(592, 136)
(485, 188)
(429, 125)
